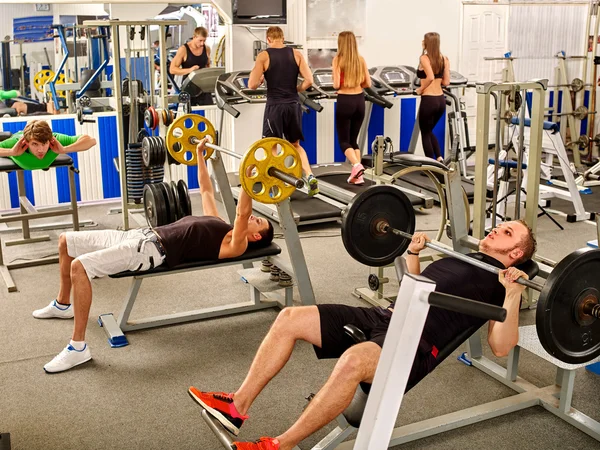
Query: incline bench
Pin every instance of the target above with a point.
(29, 212)
(258, 281)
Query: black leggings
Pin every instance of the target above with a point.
(349, 115)
(431, 110)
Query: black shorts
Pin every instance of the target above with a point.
(374, 322)
(283, 120)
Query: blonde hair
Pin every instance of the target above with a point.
(349, 60)
(275, 33)
(201, 31)
(37, 130)
(432, 49)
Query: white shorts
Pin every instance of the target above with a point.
(106, 252)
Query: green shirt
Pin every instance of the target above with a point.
(28, 161)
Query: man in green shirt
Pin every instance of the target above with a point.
(36, 147)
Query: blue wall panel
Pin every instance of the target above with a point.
(309, 130)
(408, 112)
(109, 149)
(375, 127)
(65, 126)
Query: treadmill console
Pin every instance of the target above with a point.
(395, 78)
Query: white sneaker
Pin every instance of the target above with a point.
(54, 310)
(68, 358)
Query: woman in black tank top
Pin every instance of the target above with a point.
(434, 72)
(192, 56)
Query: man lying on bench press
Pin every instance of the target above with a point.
(508, 245)
(84, 255)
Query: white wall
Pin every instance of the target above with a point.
(395, 30)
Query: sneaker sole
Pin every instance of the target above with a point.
(51, 317)
(64, 370)
(217, 415)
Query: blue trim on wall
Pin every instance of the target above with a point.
(192, 171)
(376, 125)
(408, 117)
(109, 149)
(65, 126)
(309, 130)
(13, 186)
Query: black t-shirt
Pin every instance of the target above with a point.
(193, 239)
(456, 277)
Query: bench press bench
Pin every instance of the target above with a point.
(258, 281)
(29, 212)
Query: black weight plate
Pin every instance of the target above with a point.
(558, 328)
(142, 134)
(160, 150)
(170, 201)
(177, 202)
(359, 219)
(154, 206)
(184, 198)
(146, 152)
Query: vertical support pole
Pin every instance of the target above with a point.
(116, 53)
(295, 251)
(23, 193)
(73, 194)
(566, 379)
(481, 160)
(535, 157)
(512, 365)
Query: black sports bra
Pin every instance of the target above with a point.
(421, 73)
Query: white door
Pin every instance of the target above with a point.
(483, 35)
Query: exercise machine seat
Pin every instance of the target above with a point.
(7, 164)
(264, 252)
(406, 159)
(353, 413)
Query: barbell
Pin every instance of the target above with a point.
(576, 85)
(377, 227)
(270, 171)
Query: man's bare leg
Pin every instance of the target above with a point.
(64, 261)
(82, 295)
(292, 324)
(357, 364)
(303, 158)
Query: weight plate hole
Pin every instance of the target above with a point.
(252, 171)
(188, 123)
(290, 162)
(202, 127)
(258, 188)
(188, 156)
(177, 133)
(274, 192)
(260, 154)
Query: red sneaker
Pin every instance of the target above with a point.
(264, 443)
(220, 406)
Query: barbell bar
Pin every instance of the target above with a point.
(379, 223)
(298, 183)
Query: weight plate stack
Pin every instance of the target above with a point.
(184, 198)
(135, 175)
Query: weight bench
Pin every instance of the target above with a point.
(349, 421)
(258, 281)
(29, 212)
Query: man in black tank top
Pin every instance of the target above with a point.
(280, 66)
(192, 56)
(84, 255)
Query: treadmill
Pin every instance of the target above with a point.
(387, 77)
(333, 176)
(232, 89)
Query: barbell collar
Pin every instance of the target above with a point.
(467, 306)
(286, 177)
(592, 309)
(474, 262)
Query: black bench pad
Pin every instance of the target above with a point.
(7, 164)
(264, 252)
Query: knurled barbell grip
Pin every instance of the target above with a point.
(474, 262)
(466, 306)
(286, 177)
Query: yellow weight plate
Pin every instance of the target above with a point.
(41, 78)
(181, 134)
(254, 169)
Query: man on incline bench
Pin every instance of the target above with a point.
(84, 255)
(508, 245)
